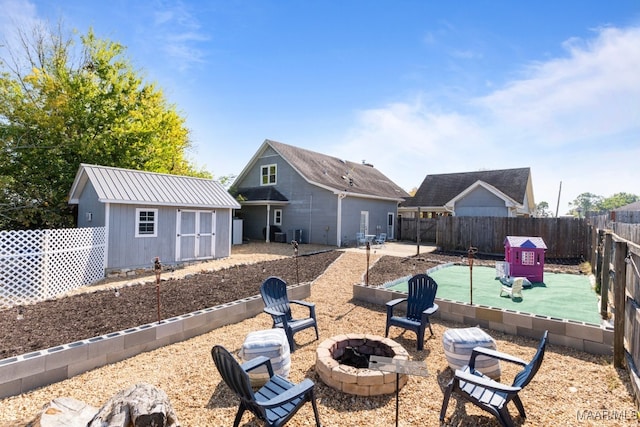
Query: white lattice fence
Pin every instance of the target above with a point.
(40, 264)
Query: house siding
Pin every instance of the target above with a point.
(310, 206)
(351, 209)
(481, 202)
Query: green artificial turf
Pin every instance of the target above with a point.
(562, 296)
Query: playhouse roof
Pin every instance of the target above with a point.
(525, 242)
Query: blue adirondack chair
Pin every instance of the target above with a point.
(274, 403)
(277, 304)
(420, 305)
(490, 395)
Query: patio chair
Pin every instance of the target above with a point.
(380, 239)
(275, 402)
(513, 290)
(420, 305)
(277, 304)
(490, 395)
(361, 239)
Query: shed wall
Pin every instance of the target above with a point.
(127, 251)
(89, 203)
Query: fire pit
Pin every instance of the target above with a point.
(337, 359)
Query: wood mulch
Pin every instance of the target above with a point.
(571, 389)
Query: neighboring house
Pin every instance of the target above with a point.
(627, 214)
(501, 193)
(289, 193)
(148, 215)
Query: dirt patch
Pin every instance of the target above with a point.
(90, 314)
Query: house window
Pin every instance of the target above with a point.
(277, 216)
(269, 173)
(146, 222)
(528, 258)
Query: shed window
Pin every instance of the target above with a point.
(146, 222)
(528, 258)
(277, 216)
(269, 174)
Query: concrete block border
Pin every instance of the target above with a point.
(26, 372)
(590, 338)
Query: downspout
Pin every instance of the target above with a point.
(268, 232)
(339, 219)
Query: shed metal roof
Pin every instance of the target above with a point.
(116, 185)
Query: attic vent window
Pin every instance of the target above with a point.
(269, 175)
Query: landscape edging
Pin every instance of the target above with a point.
(26, 372)
(590, 338)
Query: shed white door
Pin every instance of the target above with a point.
(195, 234)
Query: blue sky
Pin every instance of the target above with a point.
(413, 87)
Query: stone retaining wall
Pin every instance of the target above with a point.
(32, 370)
(590, 338)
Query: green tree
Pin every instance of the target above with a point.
(616, 201)
(584, 204)
(61, 106)
(542, 210)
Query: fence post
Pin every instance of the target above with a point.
(418, 232)
(604, 275)
(45, 265)
(602, 282)
(619, 289)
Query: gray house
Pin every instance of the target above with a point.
(501, 193)
(145, 214)
(289, 193)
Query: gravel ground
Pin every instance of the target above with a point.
(571, 389)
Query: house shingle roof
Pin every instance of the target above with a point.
(338, 175)
(437, 190)
(265, 194)
(116, 185)
(635, 206)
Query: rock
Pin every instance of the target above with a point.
(142, 405)
(65, 412)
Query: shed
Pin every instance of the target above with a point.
(525, 256)
(146, 215)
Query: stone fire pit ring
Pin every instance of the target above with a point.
(359, 381)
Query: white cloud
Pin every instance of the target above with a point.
(574, 119)
(16, 14)
(592, 93)
(180, 32)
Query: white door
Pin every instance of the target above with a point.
(390, 225)
(364, 222)
(195, 235)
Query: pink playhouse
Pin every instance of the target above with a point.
(525, 256)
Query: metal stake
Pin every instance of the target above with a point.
(157, 268)
(471, 252)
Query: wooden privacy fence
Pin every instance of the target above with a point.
(624, 224)
(616, 264)
(39, 264)
(564, 237)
